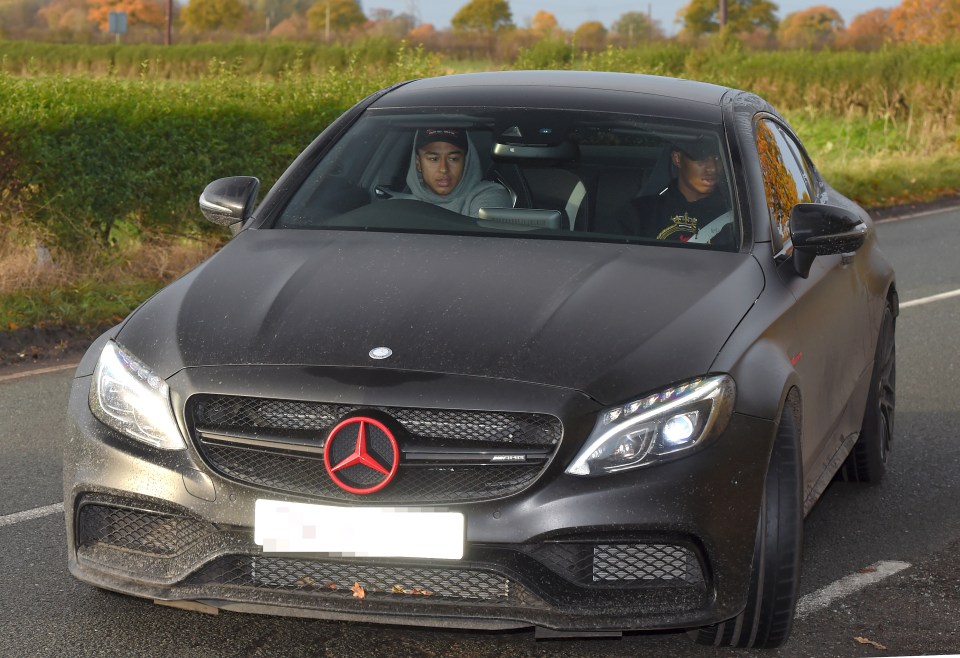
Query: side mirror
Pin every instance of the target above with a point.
(820, 230)
(228, 201)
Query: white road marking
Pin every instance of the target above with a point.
(38, 371)
(30, 514)
(931, 298)
(847, 586)
(917, 215)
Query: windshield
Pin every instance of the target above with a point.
(524, 172)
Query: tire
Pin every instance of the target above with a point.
(775, 571)
(867, 462)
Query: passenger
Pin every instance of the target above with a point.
(689, 207)
(445, 171)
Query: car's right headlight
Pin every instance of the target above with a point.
(657, 427)
(132, 399)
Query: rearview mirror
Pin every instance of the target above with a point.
(817, 229)
(227, 201)
(561, 151)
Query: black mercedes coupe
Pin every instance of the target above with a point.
(601, 400)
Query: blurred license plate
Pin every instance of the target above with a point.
(357, 531)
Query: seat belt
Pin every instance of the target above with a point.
(708, 232)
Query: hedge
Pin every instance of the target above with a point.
(80, 154)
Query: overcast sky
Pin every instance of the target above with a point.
(571, 13)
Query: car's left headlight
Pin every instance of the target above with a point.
(132, 399)
(657, 427)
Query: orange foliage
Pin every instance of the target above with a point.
(64, 14)
(777, 182)
(812, 28)
(867, 31)
(591, 35)
(146, 12)
(292, 27)
(925, 21)
(543, 23)
(422, 32)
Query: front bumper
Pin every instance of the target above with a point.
(660, 547)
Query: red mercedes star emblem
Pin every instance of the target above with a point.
(361, 455)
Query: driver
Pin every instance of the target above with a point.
(687, 207)
(445, 171)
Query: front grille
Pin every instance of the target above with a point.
(225, 412)
(138, 530)
(621, 564)
(342, 580)
(277, 444)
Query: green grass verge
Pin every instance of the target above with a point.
(85, 306)
(879, 181)
(882, 162)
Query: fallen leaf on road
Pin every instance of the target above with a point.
(358, 591)
(330, 585)
(867, 570)
(875, 645)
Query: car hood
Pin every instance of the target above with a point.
(610, 320)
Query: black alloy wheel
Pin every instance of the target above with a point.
(867, 462)
(775, 571)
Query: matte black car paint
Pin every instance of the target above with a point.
(348, 298)
(511, 323)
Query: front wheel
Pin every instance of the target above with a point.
(867, 462)
(775, 571)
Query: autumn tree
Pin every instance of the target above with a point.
(276, 11)
(337, 16)
(544, 24)
(811, 29)
(17, 16)
(702, 16)
(423, 32)
(291, 27)
(143, 12)
(385, 22)
(925, 21)
(635, 27)
(591, 35)
(207, 15)
(66, 16)
(483, 16)
(867, 31)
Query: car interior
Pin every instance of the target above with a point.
(572, 179)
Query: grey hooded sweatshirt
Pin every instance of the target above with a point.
(470, 194)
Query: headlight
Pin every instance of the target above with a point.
(657, 427)
(132, 399)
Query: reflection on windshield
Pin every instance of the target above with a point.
(536, 173)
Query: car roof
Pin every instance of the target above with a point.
(649, 95)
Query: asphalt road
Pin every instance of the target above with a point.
(855, 534)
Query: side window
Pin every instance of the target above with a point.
(785, 178)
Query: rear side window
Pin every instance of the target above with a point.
(786, 179)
